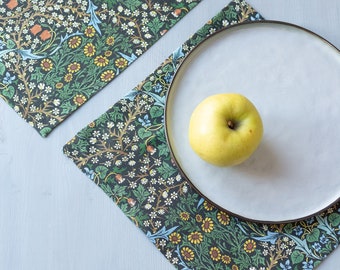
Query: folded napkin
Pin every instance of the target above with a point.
(55, 55)
(126, 154)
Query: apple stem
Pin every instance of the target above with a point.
(231, 124)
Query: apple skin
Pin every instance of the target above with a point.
(225, 129)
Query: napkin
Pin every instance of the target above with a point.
(55, 55)
(126, 154)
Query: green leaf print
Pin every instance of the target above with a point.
(45, 131)
(9, 91)
(101, 172)
(163, 150)
(11, 44)
(115, 114)
(67, 107)
(107, 189)
(2, 68)
(131, 4)
(39, 76)
(313, 236)
(155, 25)
(334, 219)
(288, 228)
(156, 111)
(168, 68)
(230, 13)
(166, 170)
(140, 193)
(119, 191)
(297, 257)
(143, 133)
(147, 86)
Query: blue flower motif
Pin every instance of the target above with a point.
(145, 121)
(310, 220)
(89, 173)
(2, 45)
(316, 246)
(257, 17)
(286, 265)
(168, 78)
(308, 265)
(323, 239)
(158, 88)
(298, 230)
(8, 78)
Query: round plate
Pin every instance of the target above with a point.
(293, 77)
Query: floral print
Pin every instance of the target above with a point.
(125, 153)
(54, 51)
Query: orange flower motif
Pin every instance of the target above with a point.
(73, 67)
(163, 32)
(90, 31)
(175, 238)
(89, 50)
(195, 238)
(131, 202)
(176, 12)
(45, 35)
(187, 254)
(249, 246)
(35, 29)
(46, 64)
(150, 149)
(101, 61)
(12, 4)
(107, 75)
(234, 267)
(79, 100)
(215, 254)
(74, 42)
(119, 178)
(223, 218)
(207, 225)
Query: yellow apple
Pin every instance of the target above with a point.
(225, 129)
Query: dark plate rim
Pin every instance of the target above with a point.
(275, 22)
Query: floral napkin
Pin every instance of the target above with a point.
(56, 54)
(125, 153)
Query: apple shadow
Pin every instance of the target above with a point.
(263, 164)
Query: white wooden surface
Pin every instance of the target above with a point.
(52, 216)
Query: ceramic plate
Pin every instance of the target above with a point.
(293, 77)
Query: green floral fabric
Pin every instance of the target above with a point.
(56, 54)
(126, 154)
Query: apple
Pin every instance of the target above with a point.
(225, 129)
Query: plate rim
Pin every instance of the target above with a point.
(167, 135)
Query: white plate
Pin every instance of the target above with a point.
(293, 78)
